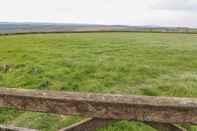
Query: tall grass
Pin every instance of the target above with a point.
(153, 64)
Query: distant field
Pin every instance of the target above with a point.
(33, 27)
(153, 64)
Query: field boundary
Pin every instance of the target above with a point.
(26, 33)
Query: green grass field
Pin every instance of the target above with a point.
(152, 64)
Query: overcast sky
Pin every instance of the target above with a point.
(130, 12)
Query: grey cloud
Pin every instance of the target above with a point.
(180, 5)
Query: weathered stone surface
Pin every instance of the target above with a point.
(105, 106)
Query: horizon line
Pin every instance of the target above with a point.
(83, 23)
